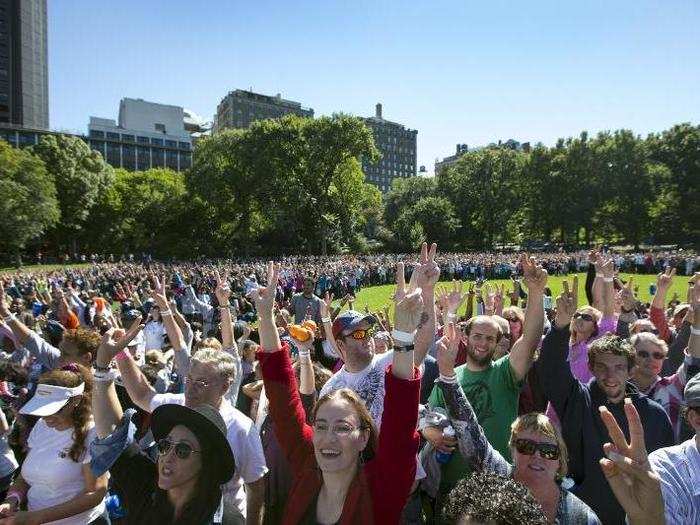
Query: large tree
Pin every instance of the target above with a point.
(80, 174)
(28, 206)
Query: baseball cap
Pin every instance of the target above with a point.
(49, 399)
(349, 320)
(692, 391)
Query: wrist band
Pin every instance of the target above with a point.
(694, 331)
(16, 494)
(448, 379)
(325, 319)
(10, 317)
(451, 316)
(607, 279)
(101, 369)
(124, 354)
(104, 377)
(304, 353)
(403, 348)
(165, 313)
(400, 337)
(225, 308)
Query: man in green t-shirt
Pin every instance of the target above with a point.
(492, 387)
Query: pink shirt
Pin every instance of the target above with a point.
(578, 352)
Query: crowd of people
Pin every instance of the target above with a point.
(241, 391)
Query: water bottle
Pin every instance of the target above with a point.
(444, 457)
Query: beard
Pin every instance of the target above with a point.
(480, 359)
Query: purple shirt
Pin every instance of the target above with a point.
(578, 352)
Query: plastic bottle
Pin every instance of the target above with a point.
(444, 457)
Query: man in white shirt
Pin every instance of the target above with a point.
(678, 467)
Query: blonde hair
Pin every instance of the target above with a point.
(538, 422)
(224, 363)
(597, 314)
(210, 342)
(515, 310)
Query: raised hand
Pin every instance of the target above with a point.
(627, 469)
(455, 297)
(4, 305)
(222, 290)
(447, 349)
(114, 341)
(427, 273)
(534, 276)
(264, 296)
(665, 279)
(627, 295)
(158, 293)
(408, 303)
(325, 306)
(605, 266)
(567, 303)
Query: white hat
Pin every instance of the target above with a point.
(49, 399)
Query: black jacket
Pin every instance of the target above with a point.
(583, 429)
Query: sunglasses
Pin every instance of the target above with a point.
(660, 356)
(182, 450)
(362, 333)
(585, 317)
(528, 447)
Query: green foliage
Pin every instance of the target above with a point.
(80, 175)
(28, 206)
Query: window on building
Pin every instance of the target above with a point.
(113, 155)
(96, 133)
(143, 140)
(129, 157)
(158, 142)
(158, 157)
(143, 158)
(160, 127)
(128, 138)
(171, 143)
(184, 145)
(112, 135)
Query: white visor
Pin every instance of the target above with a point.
(49, 399)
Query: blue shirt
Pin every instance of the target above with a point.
(678, 468)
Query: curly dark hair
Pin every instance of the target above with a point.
(486, 497)
(70, 377)
(612, 344)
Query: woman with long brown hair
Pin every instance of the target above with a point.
(56, 481)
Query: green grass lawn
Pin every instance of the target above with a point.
(41, 268)
(377, 297)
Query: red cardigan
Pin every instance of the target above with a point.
(380, 490)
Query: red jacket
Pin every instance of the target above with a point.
(380, 490)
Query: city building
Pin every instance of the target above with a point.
(147, 135)
(24, 75)
(239, 109)
(397, 145)
(461, 149)
(449, 161)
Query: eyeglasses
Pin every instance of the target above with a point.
(339, 429)
(362, 333)
(528, 447)
(585, 317)
(660, 356)
(182, 450)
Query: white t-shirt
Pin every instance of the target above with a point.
(244, 439)
(153, 334)
(368, 384)
(52, 476)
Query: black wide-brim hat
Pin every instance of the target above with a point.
(207, 424)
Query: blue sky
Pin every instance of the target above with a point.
(457, 71)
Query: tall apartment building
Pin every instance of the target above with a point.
(239, 109)
(24, 75)
(397, 145)
(148, 135)
(445, 163)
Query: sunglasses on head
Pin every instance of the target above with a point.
(585, 317)
(528, 447)
(361, 334)
(656, 355)
(182, 450)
